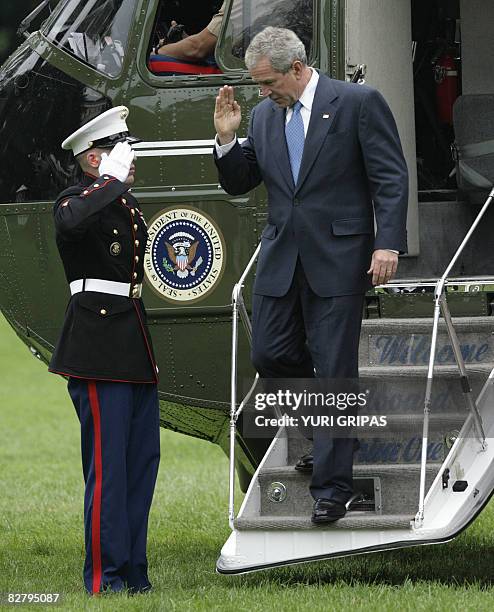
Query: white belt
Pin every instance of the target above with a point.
(105, 286)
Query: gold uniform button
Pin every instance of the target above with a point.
(85, 192)
(136, 243)
(137, 258)
(96, 184)
(132, 210)
(135, 227)
(115, 231)
(102, 311)
(124, 201)
(135, 275)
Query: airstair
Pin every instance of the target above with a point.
(421, 484)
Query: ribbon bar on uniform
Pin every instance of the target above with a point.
(106, 286)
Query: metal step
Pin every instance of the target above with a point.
(352, 520)
(406, 342)
(390, 489)
(401, 442)
(420, 372)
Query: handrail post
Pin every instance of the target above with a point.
(439, 297)
(237, 306)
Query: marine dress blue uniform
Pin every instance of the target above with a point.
(105, 351)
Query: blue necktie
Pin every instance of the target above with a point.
(295, 139)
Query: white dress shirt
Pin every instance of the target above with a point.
(306, 99)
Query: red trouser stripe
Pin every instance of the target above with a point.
(96, 515)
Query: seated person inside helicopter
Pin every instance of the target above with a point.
(182, 52)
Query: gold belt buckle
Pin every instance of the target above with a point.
(136, 291)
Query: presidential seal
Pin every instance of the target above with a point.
(185, 254)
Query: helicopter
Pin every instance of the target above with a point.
(430, 59)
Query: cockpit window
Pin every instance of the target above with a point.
(248, 17)
(95, 31)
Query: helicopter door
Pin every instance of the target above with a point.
(379, 35)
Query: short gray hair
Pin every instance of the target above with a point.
(281, 46)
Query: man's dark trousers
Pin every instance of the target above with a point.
(302, 335)
(120, 457)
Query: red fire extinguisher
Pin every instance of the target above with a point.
(446, 77)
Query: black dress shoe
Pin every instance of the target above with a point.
(305, 463)
(327, 510)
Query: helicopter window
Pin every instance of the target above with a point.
(248, 17)
(184, 41)
(95, 31)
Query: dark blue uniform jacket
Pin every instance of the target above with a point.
(101, 234)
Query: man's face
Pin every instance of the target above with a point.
(283, 89)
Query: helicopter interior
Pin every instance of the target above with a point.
(450, 66)
(246, 18)
(174, 22)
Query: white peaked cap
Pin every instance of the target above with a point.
(107, 124)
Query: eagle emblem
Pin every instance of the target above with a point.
(181, 250)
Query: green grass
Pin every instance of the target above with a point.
(41, 535)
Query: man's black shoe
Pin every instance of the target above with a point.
(305, 463)
(327, 510)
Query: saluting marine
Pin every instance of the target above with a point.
(105, 351)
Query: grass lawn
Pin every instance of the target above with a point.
(41, 532)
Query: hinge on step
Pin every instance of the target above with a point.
(445, 478)
(277, 492)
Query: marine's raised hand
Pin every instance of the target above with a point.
(118, 162)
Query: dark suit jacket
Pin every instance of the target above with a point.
(352, 165)
(100, 234)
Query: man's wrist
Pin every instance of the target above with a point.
(224, 139)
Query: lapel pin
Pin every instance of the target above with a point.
(326, 116)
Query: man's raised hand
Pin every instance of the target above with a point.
(227, 115)
(118, 162)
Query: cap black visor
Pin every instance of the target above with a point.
(109, 142)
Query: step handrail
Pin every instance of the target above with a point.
(238, 309)
(441, 305)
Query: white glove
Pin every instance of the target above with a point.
(119, 161)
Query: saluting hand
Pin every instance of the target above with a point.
(383, 266)
(119, 162)
(227, 115)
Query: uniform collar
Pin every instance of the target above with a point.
(88, 179)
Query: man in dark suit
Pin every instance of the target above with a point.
(330, 157)
(105, 351)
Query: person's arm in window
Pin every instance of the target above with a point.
(197, 46)
(193, 48)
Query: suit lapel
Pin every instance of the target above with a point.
(325, 103)
(278, 142)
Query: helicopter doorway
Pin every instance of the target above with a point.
(451, 54)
